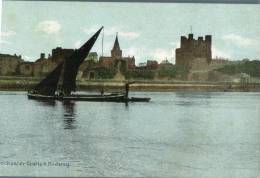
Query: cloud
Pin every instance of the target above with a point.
(162, 54)
(130, 35)
(0, 17)
(239, 40)
(29, 58)
(175, 44)
(90, 30)
(216, 52)
(258, 49)
(49, 27)
(7, 34)
(5, 42)
(132, 51)
(111, 31)
(142, 54)
(77, 44)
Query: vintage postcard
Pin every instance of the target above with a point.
(120, 89)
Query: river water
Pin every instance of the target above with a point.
(184, 134)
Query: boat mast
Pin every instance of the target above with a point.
(103, 42)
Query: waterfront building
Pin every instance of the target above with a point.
(9, 64)
(152, 64)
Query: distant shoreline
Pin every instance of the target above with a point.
(25, 84)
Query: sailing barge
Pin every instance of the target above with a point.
(66, 72)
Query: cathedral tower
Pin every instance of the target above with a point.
(116, 52)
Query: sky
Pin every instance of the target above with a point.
(148, 31)
(0, 20)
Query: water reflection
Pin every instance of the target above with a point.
(46, 102)
(69, 114)
(195, 95)
(193, 98)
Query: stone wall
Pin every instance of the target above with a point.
(26, 68)
(43, 67)
(217, 63)
(14, 65)
(9, 64)
(199, 64)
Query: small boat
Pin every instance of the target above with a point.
(66, 72)
(107, 97)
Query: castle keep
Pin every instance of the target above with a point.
(194, 54)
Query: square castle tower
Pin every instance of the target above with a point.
(194, 52)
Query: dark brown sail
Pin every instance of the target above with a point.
(72, 64)
(48, 85)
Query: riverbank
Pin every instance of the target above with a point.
(26, 83)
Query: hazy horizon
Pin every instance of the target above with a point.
(146, 30)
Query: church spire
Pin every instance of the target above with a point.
(116, 44)
(116, 52)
